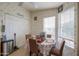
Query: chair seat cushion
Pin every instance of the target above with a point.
(55, 51)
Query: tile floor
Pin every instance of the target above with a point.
(68, 51)
(24, 52)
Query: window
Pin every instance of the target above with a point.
(49, 26)
(66, 26)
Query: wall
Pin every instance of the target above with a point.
(37, 26)
(0, 25)
(20, 15)
(77, 28)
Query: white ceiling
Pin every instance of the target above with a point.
(41, 5)
(32, 6)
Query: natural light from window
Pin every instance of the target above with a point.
(49, 26)
(66, 26)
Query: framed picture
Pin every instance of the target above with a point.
(3, 28)
(35, 18)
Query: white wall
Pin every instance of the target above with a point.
(22, 23)
(77, 28)
(37, 26)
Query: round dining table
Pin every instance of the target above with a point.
(46, 46)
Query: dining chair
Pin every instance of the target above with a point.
(39, 39)
(57, 52)
(42, 35)
(27, 36)
(48, 35)
(34, 47)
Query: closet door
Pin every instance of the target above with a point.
(9, 27)
(16, 25)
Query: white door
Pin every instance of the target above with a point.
(16, 25)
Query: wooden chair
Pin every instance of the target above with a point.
(34, 47)
(57, 52)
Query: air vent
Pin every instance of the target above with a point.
(60, 8)
(19, 14)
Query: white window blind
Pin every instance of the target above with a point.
(49, 25)
(66, 26)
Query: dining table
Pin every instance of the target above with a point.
(46, 46)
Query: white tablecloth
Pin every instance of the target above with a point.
(46, 46)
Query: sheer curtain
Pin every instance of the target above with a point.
(49, 26)
(66, 26)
